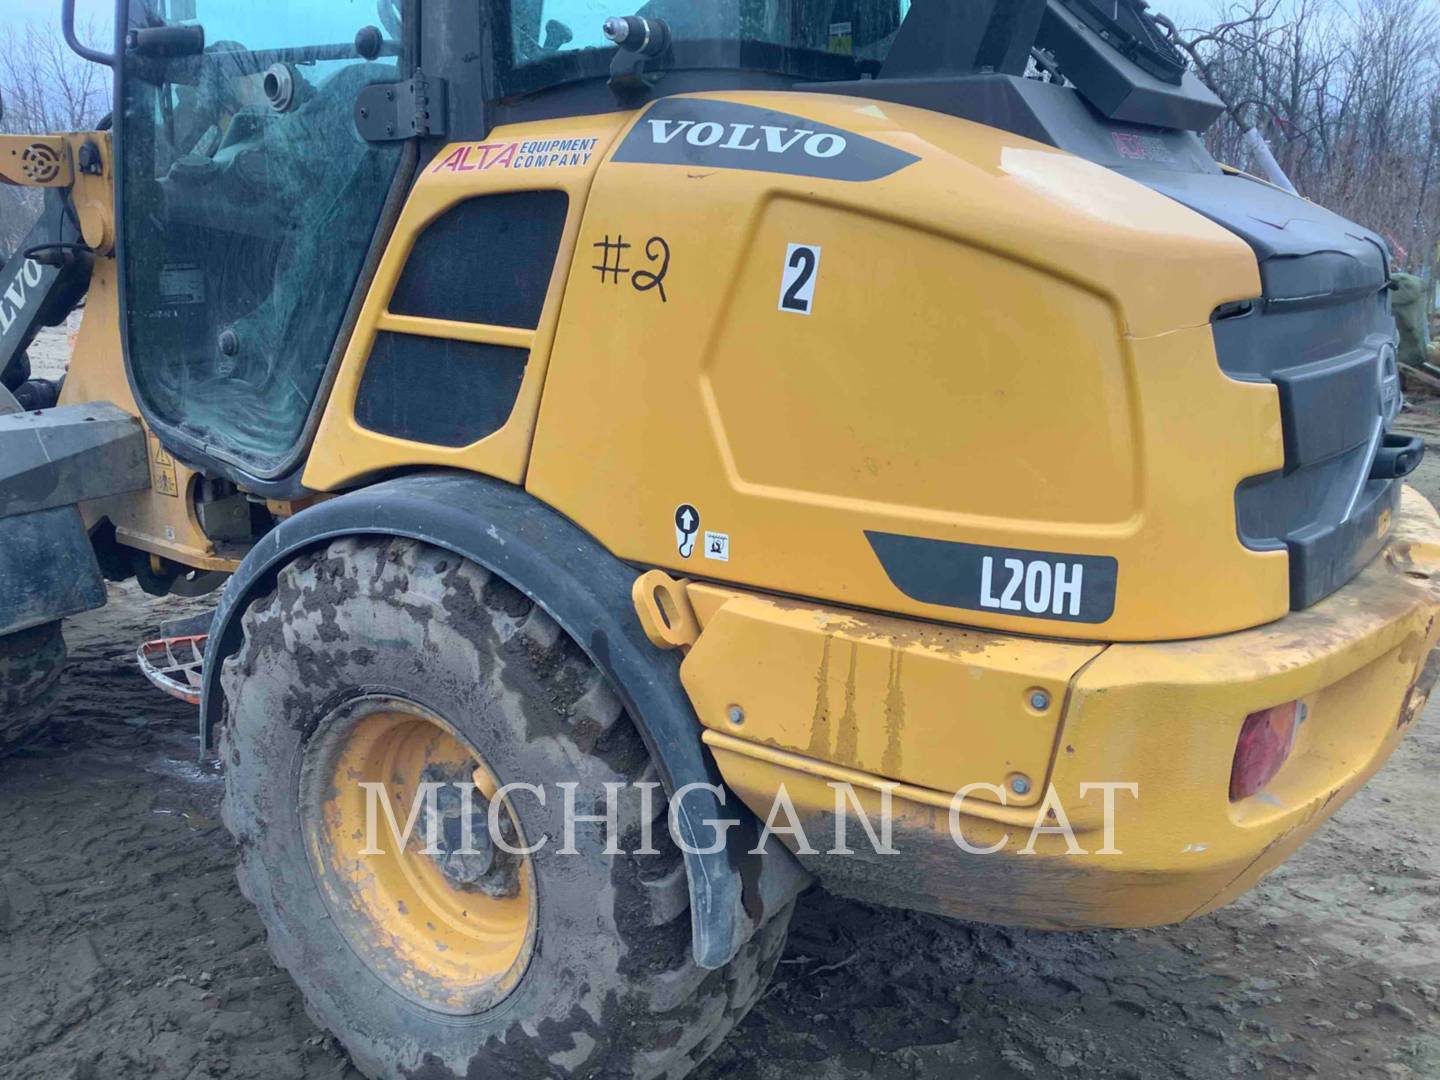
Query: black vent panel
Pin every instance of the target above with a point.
(487, 260)
(438, 391)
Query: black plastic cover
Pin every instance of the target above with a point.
(1332, 365)
(438, 391)
(1046, 112)
(1306, 253)
(487, 260)
(962, 36)
(1116, 85)
(1324, 557)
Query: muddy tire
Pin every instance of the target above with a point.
(605, 985)
(30, 666)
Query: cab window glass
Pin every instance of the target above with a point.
(860, 28)
(248, 204)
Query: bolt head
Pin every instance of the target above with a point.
(1040, 701)
(736, 715)
(616, 29)
(1020, 785)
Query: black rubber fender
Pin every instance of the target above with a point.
(587, 590)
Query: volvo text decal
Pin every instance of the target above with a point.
(24, 285)
(725, 135)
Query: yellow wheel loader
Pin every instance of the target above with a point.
(784, 415)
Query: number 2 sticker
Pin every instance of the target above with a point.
(797, 283)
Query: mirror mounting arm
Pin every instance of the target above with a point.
(67, 27)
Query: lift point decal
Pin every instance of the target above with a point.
(687, 524)
(725, 135)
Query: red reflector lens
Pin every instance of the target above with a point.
(1264, 744)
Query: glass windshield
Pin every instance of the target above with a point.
(248, 203)
(554, 41)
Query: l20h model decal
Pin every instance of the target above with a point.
(725, 135)
(1008, 581)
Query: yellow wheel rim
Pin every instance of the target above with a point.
(451, 927)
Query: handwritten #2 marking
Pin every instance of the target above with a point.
(612, 264)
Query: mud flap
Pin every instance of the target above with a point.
(47, 569)
(587, 590)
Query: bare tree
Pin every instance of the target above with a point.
(1348, 95)
(45, 88)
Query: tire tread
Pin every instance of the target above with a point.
(690, 1010)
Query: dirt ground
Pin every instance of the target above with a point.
(126, 949)
(50, 352)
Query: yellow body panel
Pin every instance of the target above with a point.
(1008, 346)
(931, 706)
(344, 452)
(48, 161)
(1165, 717)
(36, 161)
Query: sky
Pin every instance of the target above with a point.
(1196, 12)
(42, 11)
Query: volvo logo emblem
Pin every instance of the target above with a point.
(1389, 374)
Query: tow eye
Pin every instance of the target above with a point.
(469, 859)
(1398, 456)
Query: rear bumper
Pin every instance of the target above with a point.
(878, 704)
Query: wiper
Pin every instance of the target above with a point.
(639, 41)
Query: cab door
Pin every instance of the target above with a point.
(248, 201)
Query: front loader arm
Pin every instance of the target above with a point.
(53, 460)
(49, 274)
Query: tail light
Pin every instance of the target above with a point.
(1263, 746)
